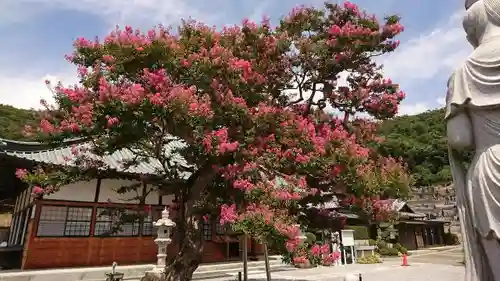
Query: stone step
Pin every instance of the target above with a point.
(227, 274)
(233, 273)
(236, 265)
(131, 272)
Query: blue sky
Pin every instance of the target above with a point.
(37, 34)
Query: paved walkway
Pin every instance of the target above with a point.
(436, 264)
(379, 272)
(450, 256)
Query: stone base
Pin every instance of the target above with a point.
(153, 275)
(156, 271)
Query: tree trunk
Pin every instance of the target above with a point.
(266, 260)
(188, 235)
(245, 257)
(183, 266)
(188, 256)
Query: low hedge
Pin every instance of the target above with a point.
(371, 259)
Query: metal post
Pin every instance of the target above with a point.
(360, 277)
(266, 260)
(239, 275)
(245, 257)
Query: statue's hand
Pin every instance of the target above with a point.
(459, 132)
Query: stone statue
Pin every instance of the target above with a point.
(473, 121)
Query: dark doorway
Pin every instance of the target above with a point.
(234, 249)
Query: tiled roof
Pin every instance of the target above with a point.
(397, 204)
(60, 156)
(332, 204)
(412, 215)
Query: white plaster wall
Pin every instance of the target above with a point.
(153, 198)
(83, 191)
(167, 199)
(108, 192)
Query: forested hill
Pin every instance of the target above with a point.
(418, 139)
(421, 141)
(12, 121)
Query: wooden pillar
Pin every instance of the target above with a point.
(441, 234)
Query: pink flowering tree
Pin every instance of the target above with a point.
(246, 124)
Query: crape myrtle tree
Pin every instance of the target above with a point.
(250, 108)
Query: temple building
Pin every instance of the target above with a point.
(71, 227)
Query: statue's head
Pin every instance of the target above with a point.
(475, 21)
(469, 3)
(480, 14)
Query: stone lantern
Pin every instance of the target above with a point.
(164, 230)
(301, 237)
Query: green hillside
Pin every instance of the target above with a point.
(421, 141)
(12, 121)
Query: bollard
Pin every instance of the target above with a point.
(360, 277)
(113, 275)
(239, 275)
(404, 261)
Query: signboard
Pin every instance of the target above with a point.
(347, 237)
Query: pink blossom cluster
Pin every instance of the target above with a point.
(314, 254)
(39, 188)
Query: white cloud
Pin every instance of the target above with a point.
(441, 101)
(431, 53)
(135, 12)
(412, 109)
(26, 91)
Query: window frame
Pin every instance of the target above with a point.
(154, 215)
(207, 230)
(116, 235)
(221, 229)
(66, 208)
(95, 208)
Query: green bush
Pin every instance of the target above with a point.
(310, 238)
(360, 232)
(371, 259)
(381, 244)
(401, 248)
(388, 252)
(451, 239)
(372, 242)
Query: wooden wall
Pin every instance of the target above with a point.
(99, 251)
(57, 252)
(88, 251)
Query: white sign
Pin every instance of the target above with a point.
(347, 237)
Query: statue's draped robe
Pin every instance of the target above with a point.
(474, 90)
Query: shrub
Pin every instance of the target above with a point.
(451, 239)
(360, 232)
(371, 259)
(389, 252)
(381, 244)
(401, 248)
(310, 238)
(372, 242)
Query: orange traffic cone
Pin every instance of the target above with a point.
(404, 260)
